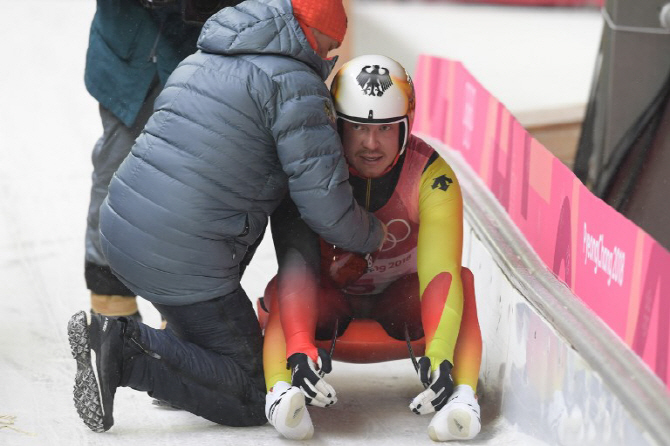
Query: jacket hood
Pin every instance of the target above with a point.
(261, 27)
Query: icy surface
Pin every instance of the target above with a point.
(48, 125)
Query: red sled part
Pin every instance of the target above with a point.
(364, 342)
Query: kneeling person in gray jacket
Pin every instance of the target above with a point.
(239, 124)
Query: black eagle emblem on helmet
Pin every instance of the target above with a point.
(374, 80)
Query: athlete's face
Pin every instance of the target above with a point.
(370, 148)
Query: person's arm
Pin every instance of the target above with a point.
(298, 256)
(439, 253)
(310, 153)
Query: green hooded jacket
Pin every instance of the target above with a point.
(129, 46)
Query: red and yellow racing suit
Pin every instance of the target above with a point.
(414, 281)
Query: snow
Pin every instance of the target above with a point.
(48, 125)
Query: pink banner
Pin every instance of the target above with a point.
(613, 266)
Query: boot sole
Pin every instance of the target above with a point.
(295, 412)
(461, 424)
(86, 391)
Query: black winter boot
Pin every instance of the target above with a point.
(95, 383)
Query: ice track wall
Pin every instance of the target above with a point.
(574, 298)
(614, 268)
(550, 366)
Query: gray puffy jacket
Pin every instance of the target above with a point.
(239, 123)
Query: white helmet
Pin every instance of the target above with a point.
(375, 89)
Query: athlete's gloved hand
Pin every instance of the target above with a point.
(309, 377)
(438, 384)
(344, 267)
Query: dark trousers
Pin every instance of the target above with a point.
(208, 361)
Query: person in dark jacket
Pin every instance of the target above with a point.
(239, 124)
(132, 50)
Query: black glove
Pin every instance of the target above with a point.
(308, 376)
(438, 384)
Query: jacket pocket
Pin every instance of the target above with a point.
(245, 231)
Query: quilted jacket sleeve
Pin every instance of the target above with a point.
(310, 152)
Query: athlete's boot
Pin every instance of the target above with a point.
(96, 381)
(115, 305)
(459, 419)
(286, 410)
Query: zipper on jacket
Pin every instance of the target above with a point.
(153, 57)
(368, 189)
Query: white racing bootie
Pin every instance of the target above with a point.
(286, 410)
(459, 419)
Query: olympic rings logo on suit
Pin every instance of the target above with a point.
(399, 230)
